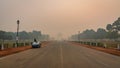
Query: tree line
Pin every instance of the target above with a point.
(23, 35)
(112, 31)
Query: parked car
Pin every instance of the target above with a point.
(36, 44)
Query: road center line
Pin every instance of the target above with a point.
(61, 56)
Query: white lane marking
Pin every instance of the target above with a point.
(61, 56)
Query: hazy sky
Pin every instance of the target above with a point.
(58, 16)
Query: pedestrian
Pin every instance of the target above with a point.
(35, 40)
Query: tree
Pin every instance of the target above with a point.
(75, 37)
(88, 34)
(109, 27)
(112, 35)
(112, 32)
(116, 25)
(24, 35)
(114, 29)
(35, 34)
(5, 35)
(101, 33)
(2, 34)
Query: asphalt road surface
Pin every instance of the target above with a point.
(60, 55)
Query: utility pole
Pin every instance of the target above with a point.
(17, 36)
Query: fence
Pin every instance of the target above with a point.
(100, 43)
(12, 44)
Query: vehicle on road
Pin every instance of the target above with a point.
(36, 44)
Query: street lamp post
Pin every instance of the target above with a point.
(17, 37)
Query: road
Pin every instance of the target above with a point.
(60, 55)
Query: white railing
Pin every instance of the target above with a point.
(101, 43)
(11, 44)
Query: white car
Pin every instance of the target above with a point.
(36, 44)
